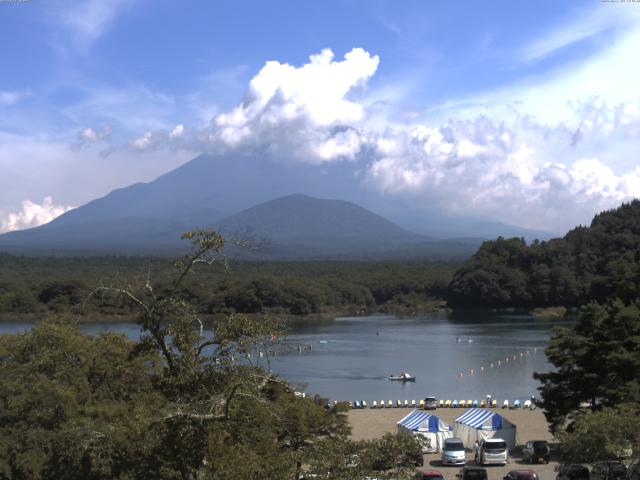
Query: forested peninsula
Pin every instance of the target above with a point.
(591, 263)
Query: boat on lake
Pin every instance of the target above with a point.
(403, 377)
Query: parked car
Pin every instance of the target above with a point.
(521, 475)
(609, 471)
(493, 451)
(536, 451)
(572, 472)
(430, 403)
(426, 474)
(453, 452)
(634, 471)
(472, 473)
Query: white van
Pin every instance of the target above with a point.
(493, 451)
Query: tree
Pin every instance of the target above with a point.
(608, 434)
(596, 361)
(74, 406)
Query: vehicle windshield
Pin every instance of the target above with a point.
(475, 475)
(454, 447)
(430, 399)
(495, 445)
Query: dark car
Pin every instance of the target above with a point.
(430, 403)
(536, 451)
(472, 473)
(521, 475)
(572, 472)
(426, 474)
(609, 471)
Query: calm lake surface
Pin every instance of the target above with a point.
(351, 357)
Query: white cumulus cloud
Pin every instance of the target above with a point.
(300, 107)
(520, 168)
(32, 215)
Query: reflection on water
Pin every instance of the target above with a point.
(352, 357)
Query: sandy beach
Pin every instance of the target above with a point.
(531, 425)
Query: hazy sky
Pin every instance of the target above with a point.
(526, 112)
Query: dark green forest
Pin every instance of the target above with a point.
(37, 286)
(591, 263)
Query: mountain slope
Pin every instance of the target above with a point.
(147, 218)
(299, 224)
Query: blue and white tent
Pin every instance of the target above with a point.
(431, 430)
(479, 423)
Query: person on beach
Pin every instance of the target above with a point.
(475, 451)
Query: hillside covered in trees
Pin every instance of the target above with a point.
(37, 286)
(588, 264)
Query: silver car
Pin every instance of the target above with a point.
(453, 452)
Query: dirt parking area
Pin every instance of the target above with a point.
(531, 425)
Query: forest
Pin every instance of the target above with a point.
(591, 263)
(38, 286)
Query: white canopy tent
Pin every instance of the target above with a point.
(429, 427)
(478, 424)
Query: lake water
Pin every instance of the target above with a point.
(351, 357)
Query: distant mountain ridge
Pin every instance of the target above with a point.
(236, 193)
(293, 227)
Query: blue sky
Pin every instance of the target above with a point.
(526, 112)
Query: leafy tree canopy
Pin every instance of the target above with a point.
(596, 361)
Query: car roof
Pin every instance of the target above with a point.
(493, 440)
